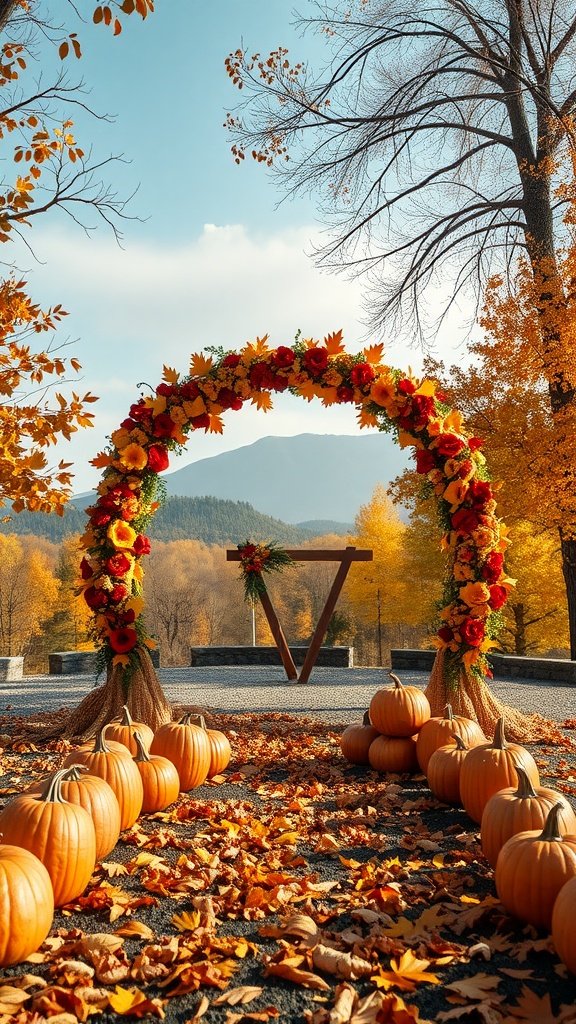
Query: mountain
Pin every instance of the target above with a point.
(213, 520)
(295, 479)
(320, 527)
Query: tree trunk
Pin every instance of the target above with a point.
(569, 571)
(520, 630)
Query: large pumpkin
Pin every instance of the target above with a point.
(490, 767)
(123, 732)
(117, 768)
(356, 739)
(393, 754)
(532, 868)
(95, 796)
(564, 925)
(159, 778)
(523, 808)
(399, 710)
(188, 747)
(437, 732)
(444, 768)
(26, 904)
(60, 834)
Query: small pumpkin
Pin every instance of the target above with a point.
(117, 768)
(564, 925)
(26, 904)
(437, 732)
(490, 767)
(532, 868)
(123, 732)
(399, 710)
(60, 834)
(356, 739)
(188, 747)
(444, 769)
(95, 796)
(393, 754)
(523, 808)
(159, 776)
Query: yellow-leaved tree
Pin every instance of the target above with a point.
(379, 592)
(28, 591)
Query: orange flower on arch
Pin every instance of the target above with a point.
(133, 457)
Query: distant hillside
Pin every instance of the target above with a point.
(216, 521)
(209, 519)
(320, 527)
(295, 479)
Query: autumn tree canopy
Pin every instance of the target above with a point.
(44, 169)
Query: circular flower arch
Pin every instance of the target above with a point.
(474, 539)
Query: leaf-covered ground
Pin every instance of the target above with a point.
(293, 888)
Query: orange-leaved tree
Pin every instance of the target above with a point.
(44, 169)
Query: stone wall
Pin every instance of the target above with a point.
(558, 670)
(331, 657)
(11, 668)
(81, 663)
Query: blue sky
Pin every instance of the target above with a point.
(214, 258)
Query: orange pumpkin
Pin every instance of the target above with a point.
(520, 809)
(532, 868)
(188, 747)
(60, 834)
(123, 732)
(356, 739)
(95, 796)
(490, 767)
(437, 732)
(159, 776)
(26, 904)
(399, 710)
(444, 768)
(117, 768)
(393, 754)
(564, 925)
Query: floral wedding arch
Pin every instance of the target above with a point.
(476, 585)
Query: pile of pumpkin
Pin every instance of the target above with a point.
(528, 833)
(53, 834)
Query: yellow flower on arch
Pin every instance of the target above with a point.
(121, 534)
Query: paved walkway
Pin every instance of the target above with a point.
(344, 692)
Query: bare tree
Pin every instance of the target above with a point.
(436, 139)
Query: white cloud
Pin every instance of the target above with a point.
(136, 308)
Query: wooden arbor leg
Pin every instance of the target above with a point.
(322, 626)
(279, 638)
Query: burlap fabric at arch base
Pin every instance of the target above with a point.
(473, 698)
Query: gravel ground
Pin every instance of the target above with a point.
(338, 692)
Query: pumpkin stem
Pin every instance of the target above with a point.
(366, 718)
(499, 741)
(53, 791)
(395, 680)
(551, 831)
(460, 745)
(525, 787)
(448, 713)
(142, 754)
(100, 745)
(73, 772)
(192, 719)
(126, 718)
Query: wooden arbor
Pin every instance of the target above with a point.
(345, 556)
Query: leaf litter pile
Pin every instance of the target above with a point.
(296, 887)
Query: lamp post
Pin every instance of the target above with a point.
(253, 610)
(378, 606)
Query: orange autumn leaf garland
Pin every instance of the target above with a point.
(447, 457)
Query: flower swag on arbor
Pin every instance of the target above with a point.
(447, 457)
(256, 560)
